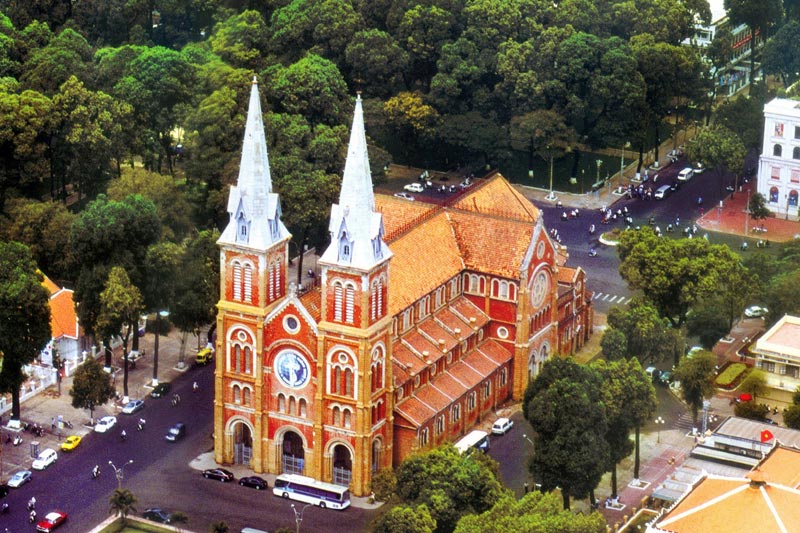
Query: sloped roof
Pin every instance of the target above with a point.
(495, 196)
(63, 318)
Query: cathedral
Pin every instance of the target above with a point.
(425, 320)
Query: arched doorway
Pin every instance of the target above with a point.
(342, 465)
(377, 449)
(294, 456)
(242, 443)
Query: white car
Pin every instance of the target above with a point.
(45, 459)
(755, 311)
(105, 423)
(20, 478)
(501, 426)
(414, 187)
(686, 174)
(133, 406)
(404, 196)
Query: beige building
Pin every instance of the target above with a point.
(777, 352)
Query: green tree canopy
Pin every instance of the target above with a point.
(535, 512)
(406, 519)
(91, 386)
(24, 317)
(696, 375)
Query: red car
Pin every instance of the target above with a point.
(52, 520)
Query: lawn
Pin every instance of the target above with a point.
(135, 525)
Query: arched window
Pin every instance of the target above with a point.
(777, 150)
(281, 403)
(237, 394)
(338, 301)
(237, 358)
(503, 376)
(292, 405)
(440, 425)
(248, 283)
(423, 437)
(347, 416)
(471, 397)
(337, 416)
(246, 396)
(377, 369)
(773, 195)
(248, 360)
(303, 407)
(349, 303)
(341, 374)
(237, 280)
(348, 382)
(456, 413)
(793, 198)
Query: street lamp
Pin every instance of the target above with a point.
(622, 161)
(298, 516)
(524, 436)
(119, 473)
(599, 164)
(159, 316)
(659, 422)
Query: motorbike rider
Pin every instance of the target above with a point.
(123, 435)
(96, 471)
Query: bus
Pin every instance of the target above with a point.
(309, 490)
(474, 439)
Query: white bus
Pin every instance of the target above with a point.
(309, 490)
(474, 439)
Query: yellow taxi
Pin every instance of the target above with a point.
(70, 443)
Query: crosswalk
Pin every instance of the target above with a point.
(611, 298)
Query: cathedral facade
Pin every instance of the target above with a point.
(425, 320)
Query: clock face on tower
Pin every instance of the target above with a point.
(540, 285)
(292, 369)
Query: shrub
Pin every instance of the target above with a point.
(731, 375)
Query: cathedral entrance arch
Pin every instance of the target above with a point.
(293, 458)
(342, 465)
(242, 442)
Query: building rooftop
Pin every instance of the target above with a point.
(782, 338)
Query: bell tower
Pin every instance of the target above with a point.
(253, 280)
(354, 346)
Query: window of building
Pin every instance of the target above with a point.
(487, 389)
(237, 281)
(406, 319)
(281, 403)
(349, 303)
(237, 394)
(502, 332)
(455, 287)
(337, 416)
(471, 401)
(292, 405)
(439, 297)
(377, 297)
(796, 152)
(423, 308)
(776, 173)
(773, 195)
(303, 405)
(793, 198)
(377, 368)
(778, 129)
(777, 150)
(795, 177)
(246, 395)
(503, 376)
(274, 279)
(338, 301)
(347, 416)
(456, 413)
(423, 437)
(341, 374)
(440, 425)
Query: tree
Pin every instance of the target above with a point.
(422, 31)
(121, 306)
(647, 336)
(542, 132)
(219, 527)
(696, 375)
(24, 317)
(782, 295)
(242, 40)
(640, 406)
(406, 519)
(758, 15)
(384, 484)
(40, 226)
(781, 54)
(122, 503)
(751, 410)
(791, 416)
(755, 383)
(736, 113)
(91, 386)
(674, 274)
(67, 55)
(613, 344)
(718, 148)
(758, 207)
(708, 322)
(449, 484)
(414, 120)
(533, 513)
(376, 62)
(564, 403)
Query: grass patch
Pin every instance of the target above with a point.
(731, 375)
(134, 526)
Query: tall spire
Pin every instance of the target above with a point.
(253, 207)
(356, 229)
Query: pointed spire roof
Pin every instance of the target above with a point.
(356, 228)
(253, 207)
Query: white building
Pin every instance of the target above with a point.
(733, 77)
(778, 353)
(779, 164)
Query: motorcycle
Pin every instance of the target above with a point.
(592, 252)
(123, 436)
(95, 472)
(4, 509)
(17, 440)
(32, 517)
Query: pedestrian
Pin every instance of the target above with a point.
(53, 423)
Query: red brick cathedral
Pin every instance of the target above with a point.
(425, 320)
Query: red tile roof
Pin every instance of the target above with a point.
(63, 318)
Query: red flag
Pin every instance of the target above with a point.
(766, 435)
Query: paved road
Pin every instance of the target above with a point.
(160, 475)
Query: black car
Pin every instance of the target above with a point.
(218, 473)
(254, 482)
(161, 390)
(3, 490)
(176, 432)
(157, 515)
(675, 185)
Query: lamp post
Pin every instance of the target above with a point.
(622, 161)
(599, 164)
(659, 422)
(552, 197)
(119, 472)
(159, 316)
(298, 516)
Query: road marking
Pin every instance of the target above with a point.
(611, 298)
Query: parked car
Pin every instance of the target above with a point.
(156, 515)
(105, 423)
(755, 311)
(255, 482)
(70, 443)
(176, 432)
(133, 406)
(404, 196)
(699, 168)
(653, 373)
(219, 474)
(666, 377)
(675, 185)
(686, 174)
(20, 478)
(45, 459)
(414, 187)
(501, 426)
(160, 390)
(51, 520)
